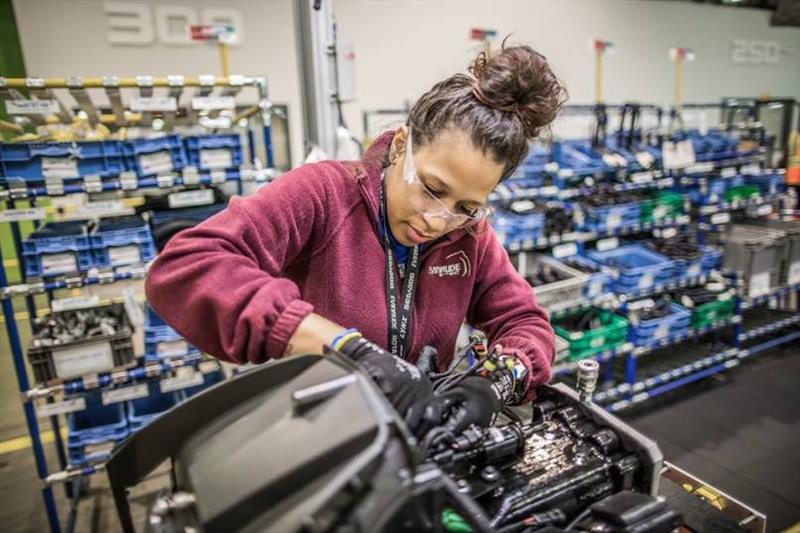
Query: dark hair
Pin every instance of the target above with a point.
(510, 97)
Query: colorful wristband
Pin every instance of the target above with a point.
(343, 336)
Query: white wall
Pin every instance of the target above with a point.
(404, 46)
(68, 37)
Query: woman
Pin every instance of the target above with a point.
(395, 248)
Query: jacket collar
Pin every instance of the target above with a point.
(369, 175)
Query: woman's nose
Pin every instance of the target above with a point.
(434, 224)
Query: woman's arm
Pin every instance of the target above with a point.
(504, 308)
(220, 283)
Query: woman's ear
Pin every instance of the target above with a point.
(399, 141)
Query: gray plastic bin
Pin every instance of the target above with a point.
(755, 254)
(790, 262)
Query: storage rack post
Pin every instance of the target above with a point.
(257, 169)
(27, 406)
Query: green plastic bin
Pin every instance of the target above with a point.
(666, 204)
(741, 192)
(708, 313)
(582, 344)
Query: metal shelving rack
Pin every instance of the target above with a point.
(634, 384)
(259, 167)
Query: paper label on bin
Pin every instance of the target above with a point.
(642, 177)
(172, 348)
(721, 218)
(597, 341)
(213, 158)
(565, 250)
(76, 302)
(132, 392)
(181, 382)
(18, 215)
(604, 245)
(751, 169)
(694, 270)
(667, 233)
(154, 103)
(677, 154)
(132, 307)
(759, 284)
(191, 198)
(614, 220)
(661, 332)
(727, 172)
(156, 163)
(210, 103)
(83, 359)
(99, 448)
(646, 281)
(595, 289)
(124, 255)
(31, 107)
(765, 209)
(59, 408)
(793, 276)
(660, 212)
(60, 167)
(59, 263)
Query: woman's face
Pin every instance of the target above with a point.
(449, 168)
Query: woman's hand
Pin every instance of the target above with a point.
(312, 335)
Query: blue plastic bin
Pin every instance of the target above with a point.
(154, 156)
(769, 183)
(638, 269)
(608, 218)
(511, 226)
(122, 241)
(600, 281)
(92, 433)
(214, 151)
(161, 341)
(35, 161)
(142, 411)
(651, 333)
(58, 248)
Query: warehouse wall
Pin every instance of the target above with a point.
(403, 46)
(68, 37)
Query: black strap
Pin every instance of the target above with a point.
(399, 315)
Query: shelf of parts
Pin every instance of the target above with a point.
(769, 328)
(636, 351)
(128, 181)
(543, 243)
(74, 281)
(773, 294)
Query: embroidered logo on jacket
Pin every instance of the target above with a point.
(459, 267)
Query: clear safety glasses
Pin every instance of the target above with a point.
(431, 207)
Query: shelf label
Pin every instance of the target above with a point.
(190, 198)
(76, 302)
(218, 176)
(181, 381)
(18, 215)
(172, 348)
(155, 163)
(721, 218)
(60, 167)
(668, 233)
(31, 107)
(565, 250)
(59, 408)
(132, 392)
(550, 190)
(83, 359)
(700, 168)
(211, 103)
(759, 284)
(642, 177)
(793, 276)
(59, 263)
(154, 103)
(752, 169)
(765, 209)
(604, 245)
(124, 255)
(99, 209)
(214, 158)
(728, 172)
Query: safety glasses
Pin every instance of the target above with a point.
(428, 205)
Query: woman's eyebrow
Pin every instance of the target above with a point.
(437, 182)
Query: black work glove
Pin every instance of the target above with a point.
(476, 400)
(403, 384)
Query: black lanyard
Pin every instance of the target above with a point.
(399, 319)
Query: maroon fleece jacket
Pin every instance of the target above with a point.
(238, 284)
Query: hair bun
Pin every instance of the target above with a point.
(519, 80)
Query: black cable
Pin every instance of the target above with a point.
(578, 518)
